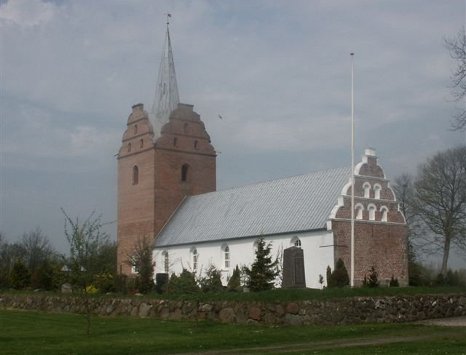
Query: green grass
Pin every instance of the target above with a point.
(44, 333)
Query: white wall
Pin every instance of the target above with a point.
(317, 248)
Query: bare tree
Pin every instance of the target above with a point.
(36, 248)
(457, 48)
(440, 200)
(85, 239)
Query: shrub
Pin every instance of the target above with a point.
(20, 276)
(212, 282)
(185, 283)
(371, 280)
(394, 282)
(234, 283)
(339, 277)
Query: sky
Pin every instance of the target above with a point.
(277, 71)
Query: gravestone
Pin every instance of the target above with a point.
(293, 268)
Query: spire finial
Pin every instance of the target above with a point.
(166, 92)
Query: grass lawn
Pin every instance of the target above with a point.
(44, 333)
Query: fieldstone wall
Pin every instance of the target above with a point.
(329, 312)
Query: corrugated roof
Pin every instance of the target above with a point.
(292, 204)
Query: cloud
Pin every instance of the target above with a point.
(26, 13)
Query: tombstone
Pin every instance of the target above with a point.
(161, 280)
(293, 268)
(66, 288)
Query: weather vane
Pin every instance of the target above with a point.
(168, 18)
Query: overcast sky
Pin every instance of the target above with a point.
(279, 73)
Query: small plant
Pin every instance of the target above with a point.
(371, 280)
(394, 282)
(321, 280)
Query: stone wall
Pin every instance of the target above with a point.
(329, 312)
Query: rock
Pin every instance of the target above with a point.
(144, 310)
(227, 315)
(292, 308)
(255, 313)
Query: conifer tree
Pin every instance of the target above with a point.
(263, 271)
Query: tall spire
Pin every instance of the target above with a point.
(166, 92)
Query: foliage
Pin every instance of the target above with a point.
(371, 280)
(339, 277)
(141, 260)
(234, 283)
(457, 49)
(440, 201)
(212, 281)
(20, 276)
(184, 283)
(263, 270)
(161, 281)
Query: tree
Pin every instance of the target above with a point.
(234, 283)
(263, 271)
(212, 281)
(338, 277)
(457, 48)
(141, 260)
(36, 248)
(440, 200)
(86, 239)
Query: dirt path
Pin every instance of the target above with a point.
(344, 343)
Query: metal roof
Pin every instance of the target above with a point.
(293, 204)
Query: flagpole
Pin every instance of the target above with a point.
(352, 169)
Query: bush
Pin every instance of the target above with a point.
(161, 280)
(339, 277)
(234, 283)
(212, 282)
(371, 280)
(185, 283)
(394, 282)
(20, 276)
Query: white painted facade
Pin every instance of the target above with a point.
(317, 248)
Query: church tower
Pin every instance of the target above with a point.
(165, 156)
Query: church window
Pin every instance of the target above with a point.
(129, 147)
(141, 143)
(384, 211)
(184, 172)
(367, 189)
(166, 262)
(135, 175)
(185, 128)
(371, 208)
(359, 210)
(135, 129)
(195, 258)
(226, 257)
(175, 140)
(195, 145)
(295, 241)
(377, 189)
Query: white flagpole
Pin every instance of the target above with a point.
(352, 169)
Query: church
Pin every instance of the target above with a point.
(167, 192)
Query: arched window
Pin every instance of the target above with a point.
(359, 208)
(141, 143)
(367, 189)
(175, 140)
(135, 129)
(195, 258)
(129, 147)
(195, 145)
(377, 189)
(135, 175)
(295, 241)
(226, 257)
(371, 208)
(384, 211)
(185, 128)
(184, 172)
(166, 262)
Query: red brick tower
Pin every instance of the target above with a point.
(164, 157)
(154, 177)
